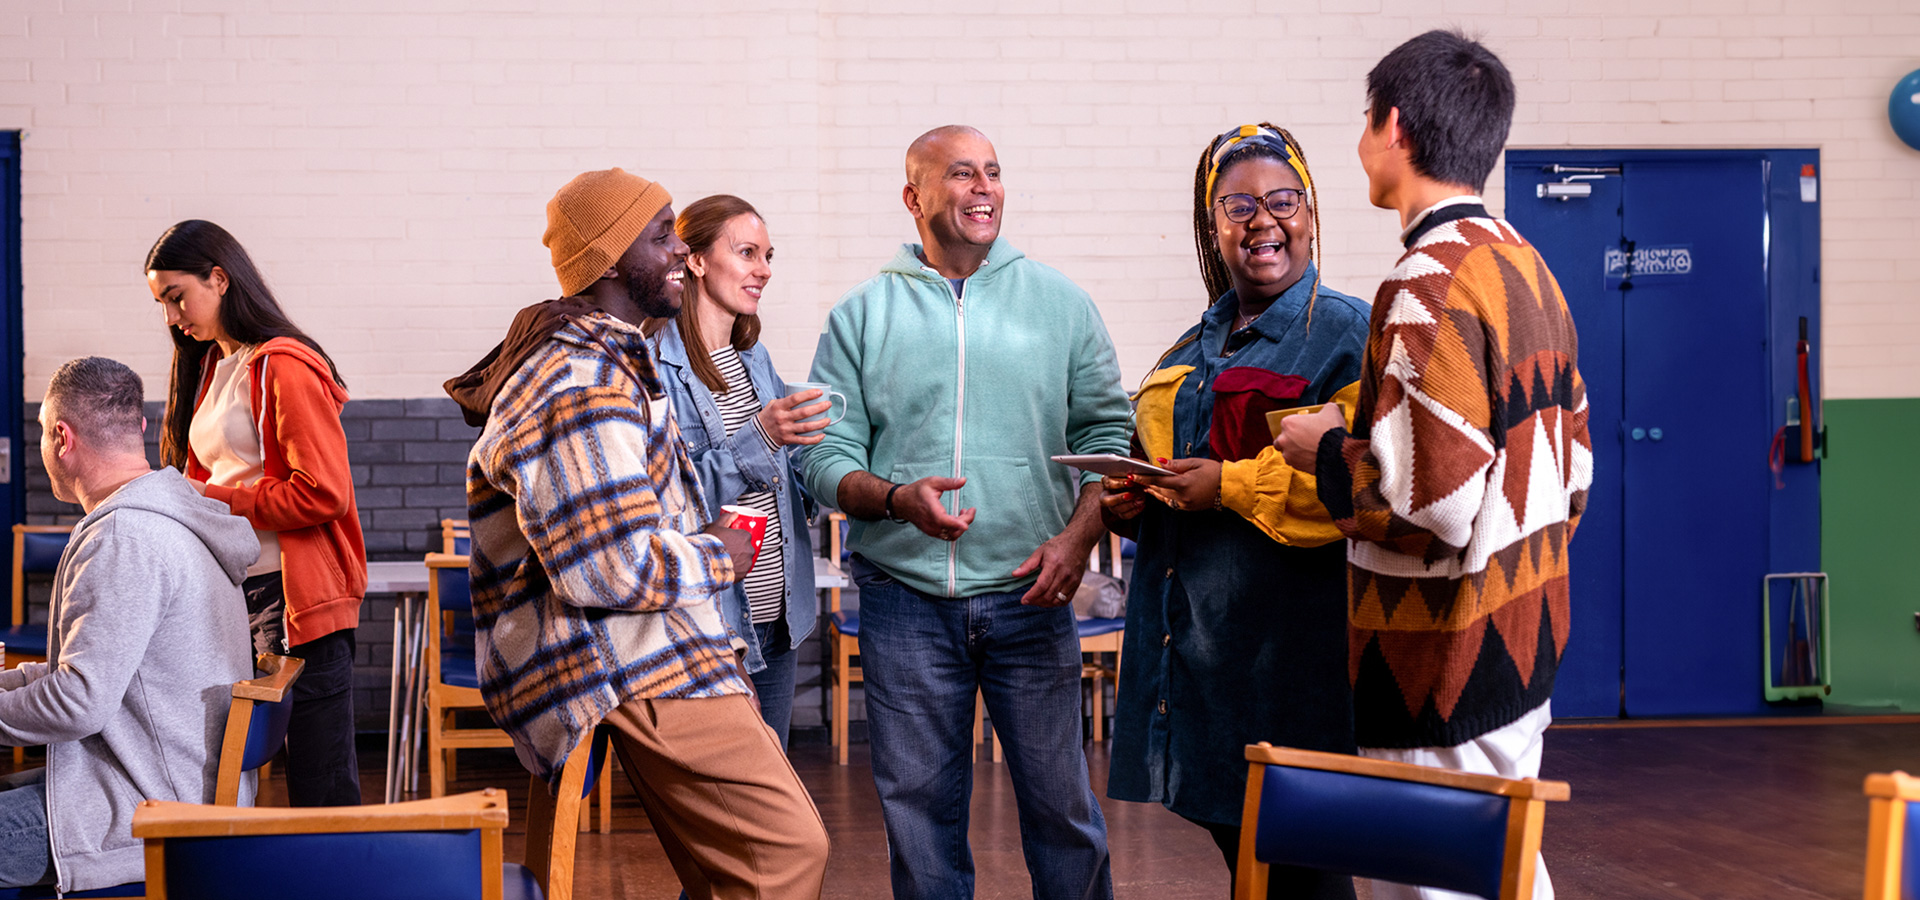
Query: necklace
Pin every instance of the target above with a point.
(1241, 320)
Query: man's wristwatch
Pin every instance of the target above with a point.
(891, 516)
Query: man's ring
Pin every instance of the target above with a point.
(1060, 595)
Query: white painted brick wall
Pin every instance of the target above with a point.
(388, 161)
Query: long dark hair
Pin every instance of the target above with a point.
(248, 314)
(699, 226)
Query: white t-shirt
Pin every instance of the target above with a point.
(225, 436)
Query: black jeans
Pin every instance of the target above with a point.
(1283, 882)
(322, 768)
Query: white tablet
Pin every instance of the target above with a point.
(1111, 464)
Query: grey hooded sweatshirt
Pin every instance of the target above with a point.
(147, 634)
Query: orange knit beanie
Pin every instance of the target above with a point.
(594, 219)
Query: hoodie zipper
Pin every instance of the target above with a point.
(959, 428)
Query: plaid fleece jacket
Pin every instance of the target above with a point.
(1460, 486)
(590, 584)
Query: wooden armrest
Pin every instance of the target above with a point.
(1893, 785)
(167, 818)
(281, 671)
(446, 560)
(1527, 788)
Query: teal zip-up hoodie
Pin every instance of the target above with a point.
(985, 386)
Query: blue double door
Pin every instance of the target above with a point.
(1681, 269)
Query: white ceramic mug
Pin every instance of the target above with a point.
(826, 391)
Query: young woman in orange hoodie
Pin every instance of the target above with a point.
(253, 418)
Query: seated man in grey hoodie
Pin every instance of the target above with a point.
(146, 634)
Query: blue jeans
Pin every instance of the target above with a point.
(774, 684)
(26, 857)
(923, 658)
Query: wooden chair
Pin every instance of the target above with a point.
(256, 727)
(841, 646)
(449, 595)
(36, 550)
(452, 675)
(1476, 834)
(551, 839)
(438, 849)
(455, 536)
(1101, 636)
(1892, 847)
(257, 719)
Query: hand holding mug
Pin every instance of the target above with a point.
(796, 418)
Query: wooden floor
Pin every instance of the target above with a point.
(1686, 812)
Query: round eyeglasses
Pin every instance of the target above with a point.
(1280, 204)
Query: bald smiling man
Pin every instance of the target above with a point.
(965, 366)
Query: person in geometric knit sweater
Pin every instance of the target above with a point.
(1467, 468)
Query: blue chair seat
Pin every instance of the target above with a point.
(26, 640)
(459, 669)
(517, 882)
(1097, 627)
(847, 623)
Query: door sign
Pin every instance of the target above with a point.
(1667, 262)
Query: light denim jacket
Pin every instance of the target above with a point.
(729, 467)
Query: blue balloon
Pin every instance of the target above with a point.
(1903, 109)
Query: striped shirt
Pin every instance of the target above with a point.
(591, 583)
(766, 585)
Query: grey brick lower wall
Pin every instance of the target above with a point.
(409, 471)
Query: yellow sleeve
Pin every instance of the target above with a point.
(1279, 500)
(1153, 410)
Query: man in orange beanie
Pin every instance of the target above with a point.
(594, 583)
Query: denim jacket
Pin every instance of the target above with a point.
(729, 467)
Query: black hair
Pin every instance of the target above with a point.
(101, 399)
(248, 314)
(1455, 100)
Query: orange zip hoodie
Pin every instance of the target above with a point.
(306, 494)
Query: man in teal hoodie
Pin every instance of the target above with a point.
(965, 366)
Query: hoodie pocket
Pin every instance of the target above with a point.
(1015, 511)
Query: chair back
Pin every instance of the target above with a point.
(455, 537)
(551, 835)
(439, 849)
(36, 549)
(1893, 845)
(1475, 834)
(257, 719)
(449, 597)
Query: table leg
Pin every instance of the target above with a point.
(393, 713)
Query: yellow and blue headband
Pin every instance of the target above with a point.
(1254, 136)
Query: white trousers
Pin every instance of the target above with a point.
(1509, 752)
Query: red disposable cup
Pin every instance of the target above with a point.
(751, 521)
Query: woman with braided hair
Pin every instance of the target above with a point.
(1236, 618)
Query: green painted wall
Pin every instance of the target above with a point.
(1870, 548)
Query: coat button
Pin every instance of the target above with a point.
(1163, 707)
(1166, 639)
(1169, 571)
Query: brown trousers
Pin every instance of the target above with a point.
(730, 812)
